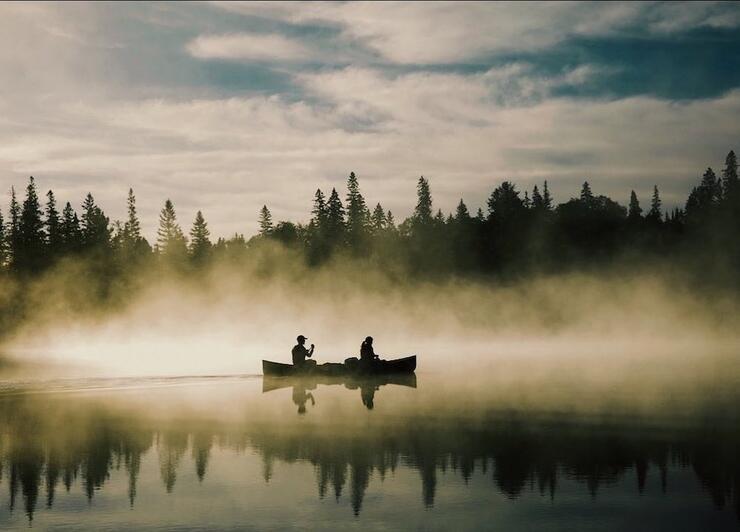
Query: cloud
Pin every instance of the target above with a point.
(249, 46)
(449, 32)
(82, 115)
(229, 156)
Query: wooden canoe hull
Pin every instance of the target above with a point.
(382, 367)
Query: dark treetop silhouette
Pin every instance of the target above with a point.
(519, 235)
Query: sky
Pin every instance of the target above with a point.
(224, 107)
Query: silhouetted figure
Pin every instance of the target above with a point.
(368, 358)
(300, 353)
(300, 396)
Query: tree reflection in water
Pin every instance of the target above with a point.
(84, 443)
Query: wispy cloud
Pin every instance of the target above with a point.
(249, 46)
(448, 32)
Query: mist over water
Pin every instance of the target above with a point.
(549, 340)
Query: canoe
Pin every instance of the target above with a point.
(380, 367)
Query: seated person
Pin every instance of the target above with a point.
(300, 353)
(367, 353)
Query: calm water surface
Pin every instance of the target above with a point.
(424, 454)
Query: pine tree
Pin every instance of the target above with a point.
(546, 198)
(70, 231)
(390, 221)
(462, 215)
(14, 229)
(504, 202)
(31, 244)
(200, 244)
(170, 239)
(730, 183)
(635, 211)
(423, 210)
(265, 221)
(526, 201)
(655, 213)
(538, 203)
(587, 197)
(319, 212)
(335, 223)
(94, 225)
(53, 225)
(711, 187)
(357, 213)
(378, 219)
(479, 216)
(132, 227)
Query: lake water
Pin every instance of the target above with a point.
(430, 453)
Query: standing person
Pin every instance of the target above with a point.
(300, 353)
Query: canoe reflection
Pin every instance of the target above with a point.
(367, 385)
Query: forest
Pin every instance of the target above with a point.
(520, 234)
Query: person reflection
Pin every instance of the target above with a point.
(301, 396)
(367, 393)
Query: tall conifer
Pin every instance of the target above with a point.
(200, 243)
(53, 225)
(265, 221)
(170, 239)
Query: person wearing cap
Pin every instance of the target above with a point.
(300, 353)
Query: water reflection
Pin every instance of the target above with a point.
(47, 445)
(367, 385)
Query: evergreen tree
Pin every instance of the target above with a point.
(14, 230)
(132, 227)
(526, 201)
(479, 215)
(170, 239)
(635, 211)
(390, 221)
(546, 198)
(704, 198)
(538, 202)
(462, 215)
(53, 225)
(587, 197)
(30, 255)
(423, 210)
(357, 213)
(378, 219)
(94, 225)
(265, 221)
(319, 210)
(504, 202)
(131, 243)
(200, 244)
(655, 213)
(711, 187)
(70, 231)
(335, 223)
(730, 183)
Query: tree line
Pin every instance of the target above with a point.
(519, 232)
